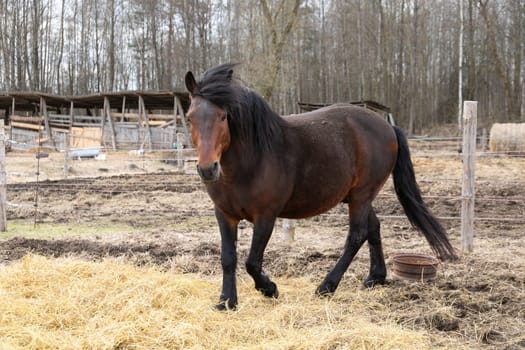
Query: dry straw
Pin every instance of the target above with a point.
(507, 137)
(68, 303)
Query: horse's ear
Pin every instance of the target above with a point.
(191, 84)
(230, 74)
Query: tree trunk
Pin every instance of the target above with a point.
(493, 47)
(60, 49)
(35, 64)
(460, 66)
(277, 40)
(111, 46)
(519, 32)
(413, 72)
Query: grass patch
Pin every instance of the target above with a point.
(60, 231)
(193, 223)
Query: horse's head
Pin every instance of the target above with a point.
(209, 132)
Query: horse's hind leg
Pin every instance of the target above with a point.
(357, 236)
(377, 260)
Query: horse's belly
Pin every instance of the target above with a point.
(302, 213)
(313, 201)
(307, 210)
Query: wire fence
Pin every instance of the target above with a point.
(141, 174)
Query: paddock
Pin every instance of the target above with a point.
(133, 242)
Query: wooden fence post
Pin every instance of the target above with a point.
(484, 140)
(123, 108)
(66, 156)
(288, 233)
(180, 156)
(145, 119)
(3, 198)
(107, 114)
(180, 111)
(45, 115)
(470, 110)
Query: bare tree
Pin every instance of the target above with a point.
(278, 37)
(497, 59)
(402, 53)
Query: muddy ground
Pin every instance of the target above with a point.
(167, 219)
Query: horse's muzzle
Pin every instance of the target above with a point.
(210, 173)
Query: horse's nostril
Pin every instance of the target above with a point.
(199, 170)
(209, 173)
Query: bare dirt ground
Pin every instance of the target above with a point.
(167, 220)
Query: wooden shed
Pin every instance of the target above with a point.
(120, 120)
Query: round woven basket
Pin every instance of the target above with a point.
(415, 267)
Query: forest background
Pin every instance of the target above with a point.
(402, 53)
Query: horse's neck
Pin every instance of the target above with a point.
(240, 157)
(245, 156)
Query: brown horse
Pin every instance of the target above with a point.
(259, 166)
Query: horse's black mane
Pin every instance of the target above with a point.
(250, 118)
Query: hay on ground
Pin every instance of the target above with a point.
(67, 303)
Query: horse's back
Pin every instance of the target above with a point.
(343, 129)
(341, 115)
(339, 149)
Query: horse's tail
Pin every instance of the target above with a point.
(417, 212)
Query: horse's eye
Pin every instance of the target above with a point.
(223, 117)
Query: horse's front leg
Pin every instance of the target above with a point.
(228, 228)
(261, 235)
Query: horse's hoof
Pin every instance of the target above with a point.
(325, 289)
(271, 291)
(225, 305)
(372, 281)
